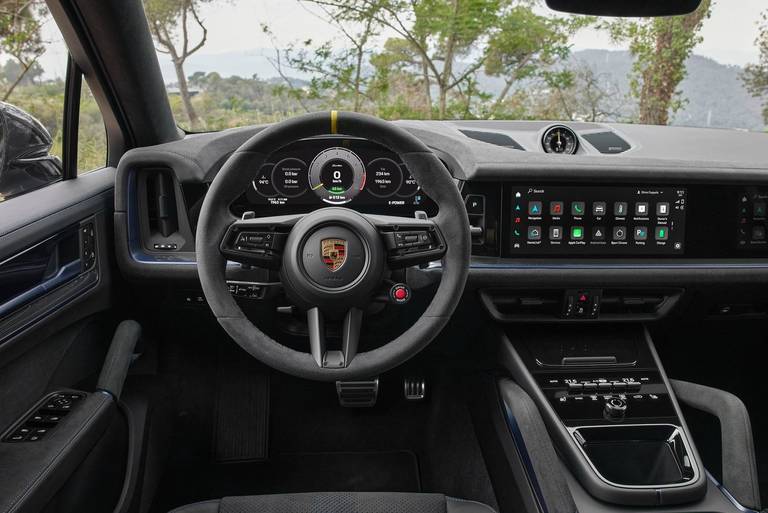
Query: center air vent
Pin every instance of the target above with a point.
(541, 305)
(493, 138)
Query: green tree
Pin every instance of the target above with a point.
(661, 47)
(440, 32)
(170, 22)
(20, 36)
(338, 77)
(581, 94)
(525, 44)
(755, 75)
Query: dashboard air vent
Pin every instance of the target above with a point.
(607, 142)
(493, 138)
(161, 203)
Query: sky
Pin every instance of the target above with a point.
(728, 35)
(234, 28)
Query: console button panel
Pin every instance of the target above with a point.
(581, 399)
(88, 245)
(46, 417)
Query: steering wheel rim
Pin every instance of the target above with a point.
(215, 221)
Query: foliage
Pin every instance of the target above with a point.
(661, 47)
(526, 45)
(583, 94)
(436, 34)
(20, 38)
(171, 22)
(236, 101)
(755, 75)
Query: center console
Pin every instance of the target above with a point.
(608, 405)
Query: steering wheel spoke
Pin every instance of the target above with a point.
(350, 338)
(409, 241)
(258, 241)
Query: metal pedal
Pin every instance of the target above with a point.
(358, 394)
(415, 389)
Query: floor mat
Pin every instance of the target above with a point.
(242, 409)
(392, 471)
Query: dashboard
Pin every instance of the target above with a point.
(675, 208)
(334, 171)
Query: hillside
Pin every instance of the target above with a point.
(715, 94)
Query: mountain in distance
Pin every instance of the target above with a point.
(714, 92)
(715, 95)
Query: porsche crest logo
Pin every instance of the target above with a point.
(334, 253)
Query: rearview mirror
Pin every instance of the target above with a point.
(625, 8)
(25, 161)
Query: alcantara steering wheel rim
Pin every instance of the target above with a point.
(449, 229)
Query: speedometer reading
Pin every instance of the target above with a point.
(336, 175)
(384, 177)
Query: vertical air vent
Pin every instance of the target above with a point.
(161, 203)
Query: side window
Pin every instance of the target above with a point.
(91, 134)
(33, 85)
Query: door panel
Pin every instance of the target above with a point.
(56, 322)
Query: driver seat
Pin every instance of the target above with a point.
(338, 502)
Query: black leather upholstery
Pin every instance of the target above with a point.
(338, 502)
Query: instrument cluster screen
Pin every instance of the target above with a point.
(597, 220)
(334, 171)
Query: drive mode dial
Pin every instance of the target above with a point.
(336, 175)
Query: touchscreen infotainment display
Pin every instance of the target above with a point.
(597, 220)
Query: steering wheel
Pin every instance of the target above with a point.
(333, 261)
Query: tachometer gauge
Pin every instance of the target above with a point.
(560, 139)
(262, 184)
(289, 177)
(336, 175)
(384, 177)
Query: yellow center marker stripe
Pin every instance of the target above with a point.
(334, 121)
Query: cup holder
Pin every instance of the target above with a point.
(641, 456)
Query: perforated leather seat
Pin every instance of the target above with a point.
(338, 502)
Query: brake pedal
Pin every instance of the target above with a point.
(415, 389)
(358, 394)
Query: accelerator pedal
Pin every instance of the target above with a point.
(358, 394)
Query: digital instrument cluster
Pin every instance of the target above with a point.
(600, 220)
(335, 171)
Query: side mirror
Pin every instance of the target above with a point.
(25, 161)
(628, 8)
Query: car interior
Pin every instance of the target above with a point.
(340, 313)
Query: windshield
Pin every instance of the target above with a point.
(230, 63)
